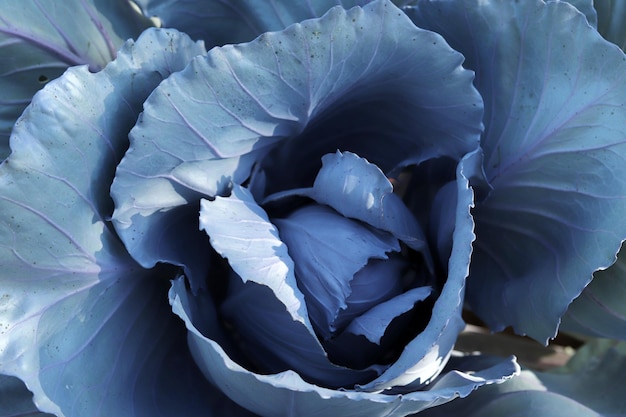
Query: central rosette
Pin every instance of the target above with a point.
(360, 262)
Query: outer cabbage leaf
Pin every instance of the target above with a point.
(86, 328)
(39, 40)
(590, 385)
(600, 310)
(206, 126)
(554, 153)
(612, 20)
(291, 395)
(220, 22)
(432, 347)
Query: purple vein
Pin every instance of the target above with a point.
(44, 309)
(77, 191)
(98, 24)
(66, 56)
(602, 305)
(520, 59)
(277, 14)
(54, 226)
(72, 47)
(198, 134)
(131, 325)
(530, 236)
(247, 90)
(331, 64)
(279, 72)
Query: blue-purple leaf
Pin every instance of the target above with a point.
(39, 40)
(220, 22)
(291, 395)
(589, 385)
(555, 154)
(255, 252)
(600, 310)
(85, 327)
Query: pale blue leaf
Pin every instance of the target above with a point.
(425, 356)
(373, 323)
(39, 40)
(612, 20)
(594, 388)
(360, 190)
(162, 243)
(207, 125)
(16, 400)
(221, 22)
(87, 330)
(328, 250)
(554, 153)
(600, 310)
(255, 252)
(291, 396)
